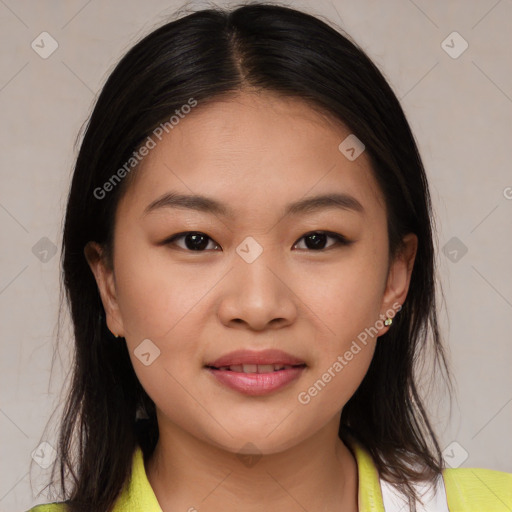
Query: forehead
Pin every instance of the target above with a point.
(251, 149)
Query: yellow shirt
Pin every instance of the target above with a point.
(467, 489)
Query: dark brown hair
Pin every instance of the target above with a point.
(206, 55)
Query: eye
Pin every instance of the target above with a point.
(197, 241)
(194, 240)
(316, 240)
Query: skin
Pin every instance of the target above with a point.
(254, 153)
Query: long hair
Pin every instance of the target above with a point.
(204, 56)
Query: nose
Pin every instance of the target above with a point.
(258, 295)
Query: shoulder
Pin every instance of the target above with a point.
(49, 507)
(478, 489)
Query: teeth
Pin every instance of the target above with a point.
(255, 368)
(265, 368)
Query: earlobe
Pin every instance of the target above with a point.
(104, 276)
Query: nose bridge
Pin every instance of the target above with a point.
(255, 268)
(256, 293)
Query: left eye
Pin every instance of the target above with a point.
(316, 240)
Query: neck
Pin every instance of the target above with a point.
(317, 475)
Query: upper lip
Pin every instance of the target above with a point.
(270, 356)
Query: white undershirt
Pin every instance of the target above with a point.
(434, 499)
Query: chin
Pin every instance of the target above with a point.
(255, 442)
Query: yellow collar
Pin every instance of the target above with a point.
(138, 495)
(369, 491)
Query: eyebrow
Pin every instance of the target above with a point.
(209, 205)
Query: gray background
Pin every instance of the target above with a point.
(460, 110)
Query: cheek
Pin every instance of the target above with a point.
(332, 384)
(343, 361)
(155, 296)
(160, 303)
(345, 296)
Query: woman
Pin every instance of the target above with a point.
(248, 256)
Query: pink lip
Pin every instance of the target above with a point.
(256, 384)
(270, 356)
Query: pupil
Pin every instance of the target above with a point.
(198, 243)
(317, 239)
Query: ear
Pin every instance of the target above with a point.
(399, 278)
(105, 281)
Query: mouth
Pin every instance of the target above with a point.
(250, 361)
(256, 368)
(256, 373)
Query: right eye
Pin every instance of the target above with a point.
(193, 240)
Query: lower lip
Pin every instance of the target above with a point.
(257, 384)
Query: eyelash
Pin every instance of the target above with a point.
(340, 239)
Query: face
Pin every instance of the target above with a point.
(192, 283)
